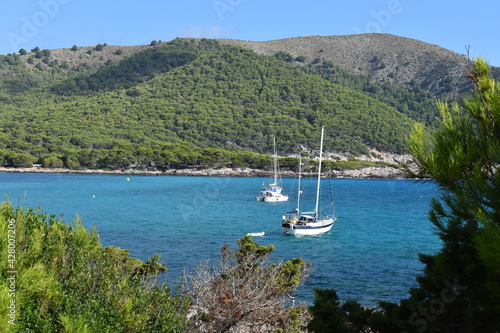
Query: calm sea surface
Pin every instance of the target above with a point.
(370, 254)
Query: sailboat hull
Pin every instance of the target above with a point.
(272, 193)
(311, 223)
(277, 198)
(314, 228)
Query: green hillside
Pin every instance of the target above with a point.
(137, 68)
(181, 104)
(410, 99)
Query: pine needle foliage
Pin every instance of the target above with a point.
(459, 289)
(66, 281)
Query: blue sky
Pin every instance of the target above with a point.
(63, 23)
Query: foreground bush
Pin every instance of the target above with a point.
(59, 278)
(244, 292)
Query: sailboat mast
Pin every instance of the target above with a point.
(319, 171)
(275, 163)
(298, 190)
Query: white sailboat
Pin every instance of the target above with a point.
(273, 191)
(308, 223)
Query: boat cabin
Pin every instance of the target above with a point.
(304, 219)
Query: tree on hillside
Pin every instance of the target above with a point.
(301, 59)
(459, 290)
(284, 56)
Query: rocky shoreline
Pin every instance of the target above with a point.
(386, 172)
(393, 170)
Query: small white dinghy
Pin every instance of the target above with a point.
(256, 234)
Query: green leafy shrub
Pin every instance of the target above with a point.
(66, 281)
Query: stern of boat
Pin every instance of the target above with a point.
(288, 227)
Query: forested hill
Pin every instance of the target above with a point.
(381, 58)
(235, 97)
(189, 102)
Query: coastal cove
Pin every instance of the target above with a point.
(370, 254)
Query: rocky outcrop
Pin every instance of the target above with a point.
(371, 172)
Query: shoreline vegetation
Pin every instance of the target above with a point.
(60, 278)
(382, 172)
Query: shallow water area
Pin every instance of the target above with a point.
(370, 254)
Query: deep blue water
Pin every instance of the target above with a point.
(370, 254)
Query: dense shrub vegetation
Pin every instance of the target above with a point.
(66, 281)
(184, 94)
(411, 100)
(57, 277)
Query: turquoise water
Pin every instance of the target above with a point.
(370, 254)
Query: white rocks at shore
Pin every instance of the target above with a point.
(394, 169)
(369, 172)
